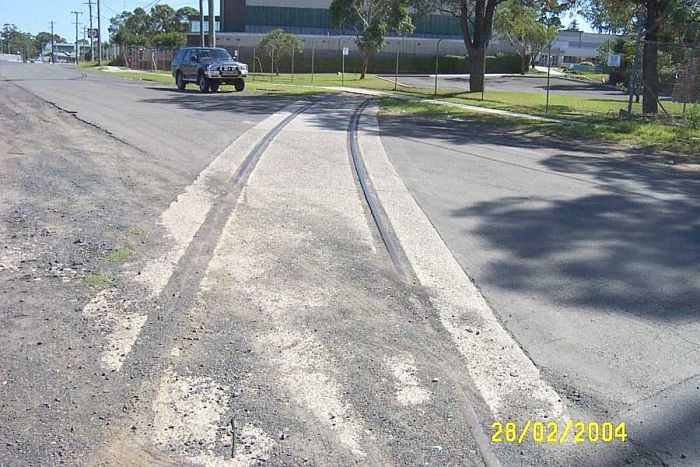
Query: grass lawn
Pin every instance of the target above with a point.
(596, 118)
(653, 135)
(587, 76)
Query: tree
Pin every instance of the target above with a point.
(46, 38)
(371, 19)
(475, 19)
(653, 14)
(169, 39)
(162, 26)
(520, 23)
(277, 43)
(610, 17)
(184, 14)
(18, 42)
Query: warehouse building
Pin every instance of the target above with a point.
(242, 23)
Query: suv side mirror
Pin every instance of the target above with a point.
(194, 58)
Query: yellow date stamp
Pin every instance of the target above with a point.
(552, 432)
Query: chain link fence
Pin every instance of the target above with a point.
(324, 61)
(677, 90)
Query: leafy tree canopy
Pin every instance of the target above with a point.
(371, 19)
(161, 26)
(521, 24)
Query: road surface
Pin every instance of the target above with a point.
(591, 257)
(233, 279)
(538, 84)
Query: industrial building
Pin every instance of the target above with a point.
(242, 23)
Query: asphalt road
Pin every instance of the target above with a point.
(240, 324)
(590, 257)
(516, 84)
(164, 304)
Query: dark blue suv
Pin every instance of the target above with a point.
(208, 67)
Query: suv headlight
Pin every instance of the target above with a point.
(243, 67)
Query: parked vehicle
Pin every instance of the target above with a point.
(209, 68)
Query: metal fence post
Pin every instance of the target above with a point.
(396, 73)
(549, 70)
(313, 53)
(437, 64)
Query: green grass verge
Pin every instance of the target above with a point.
(652, 135)
(121, 253)
(100, 281)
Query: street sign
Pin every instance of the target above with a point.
(92, 33)
(614, 61)
(346, 51)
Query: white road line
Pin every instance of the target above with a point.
(181, 221)
(408, 389)
(501, 371)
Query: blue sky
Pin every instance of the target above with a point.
(34, 15)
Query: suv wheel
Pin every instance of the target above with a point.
(214, 86)
(239, 84)
(203, 83)
(179, 81)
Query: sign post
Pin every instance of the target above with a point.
(549, 74)
(346, 51)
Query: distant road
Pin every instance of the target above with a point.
(515, 84)
(10, 58)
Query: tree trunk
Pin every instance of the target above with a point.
(365, 63)
(477, 57)
(523, 64)
(650, 104)
(650, 71)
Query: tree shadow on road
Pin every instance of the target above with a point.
(191, 99)
(628, 243)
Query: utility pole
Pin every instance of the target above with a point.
(53, 43)
(77, 25)
(99, 35)
(212, 25)
(92, 48)
(201, 23)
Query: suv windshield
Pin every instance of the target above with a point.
(218, 54)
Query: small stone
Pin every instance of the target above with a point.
(436, 380)
(437, 448)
